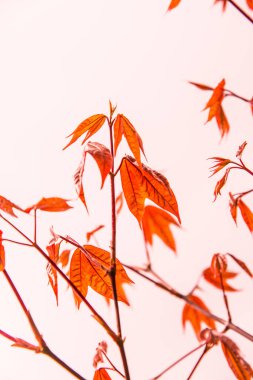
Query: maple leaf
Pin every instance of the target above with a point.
(2, 252)
(173, 4)
(64, 258)
(91, 233)
(91, 267)
(53, 252)
(241, 369)
(140, 184)
(201, 86)
(122, 126)
(220, 184)
(241, 264)
(8, 206)
(156, 221)
(246, 214)
(214, 279)
(103, 158)
(77, 275)
(89, 126)
(53, 204)
(233, 207)
(241, 150)
(250, 4)
(219, 164)
(195, 317)
(218, 264)
(101, 374)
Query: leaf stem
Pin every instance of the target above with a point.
(113, 272)
(113, 366)
(178, 361)
(225, 300)
(185, 298)
(17, 242)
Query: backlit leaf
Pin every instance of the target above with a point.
(102, 156)
(90, 125)
(201, 86)
(146, 183)
(215, 279)
(246, 214)
(8, 206)
(123, 126)
(78, 179)
(195, 317)
(53, 252)
(91, 233)
(173, 4)
(2, 253)
(218, 264)
(241, 264)
(241, 149)
(156, 221)
(119, 202)
(53, 204)
(233, 207)
(241, 369)
(101, 374)
(222, 121)
(64, 258)
(250, 4)
(220, 184)
(219, 164)
(78, 275)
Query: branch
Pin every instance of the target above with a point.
(239, 9)
(185, 298)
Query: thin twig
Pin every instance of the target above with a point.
(178, 361)
(225, 299)
(198, 362)
(185, 298)
(113, 366)
(35, 226)
(241, 11)
(17, 242)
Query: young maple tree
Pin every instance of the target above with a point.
(82, 265)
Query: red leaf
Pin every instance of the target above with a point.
(156, 221)
(102, 156)
(173, 4)
(90, 125)
(78, 178)
(220, 184)
(64, 258)
(202, 86)
(7, 206)
(53, 204)
(146, 183)
(78, 275)
(195, 317)
(2, 253)
(222, 121)
(91, 233)
(241, 369)
(246, 214)
(101, 374)
(53, 252)
(123, 126)
(250, 4)
(119, 202)
(241, 149)
(218, 264)
(215, 279)
(241, 264)
(233, 207)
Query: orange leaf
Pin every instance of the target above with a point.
(78, 179)
(8, 206)
(64, 258)
(119, 202)
(246, 214)
(2, 253)
(91, 233)
(146, 183)
(156, 221)
(241, 369)
(53, 252)
(233, 207)
(101, 374)
(53, 204)
(219, 164)
(195, 317)
(173, 4)
(102, 156)
(224, 4)
(112, 109)
(220, 184)
(241, 264)
(216, 110)
(123, 126)
(250, 4)
(218, 264)
(214, 279)
(90, 125)
(201, 86)
(241, 149)
(77, 275)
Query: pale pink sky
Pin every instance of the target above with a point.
(61, 61)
